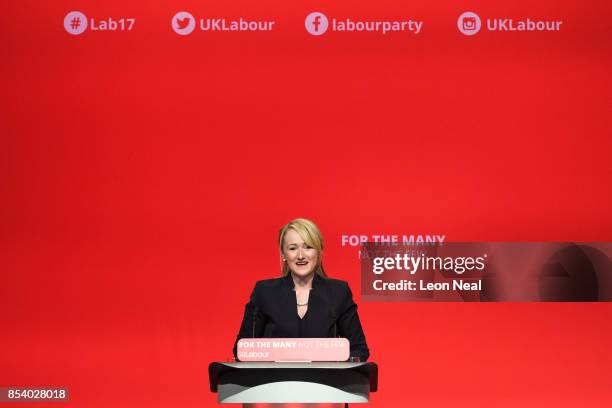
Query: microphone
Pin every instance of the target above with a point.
(335, 323)
(255, 311)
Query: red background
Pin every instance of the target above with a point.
(144, 177)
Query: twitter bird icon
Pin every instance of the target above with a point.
(183, 23)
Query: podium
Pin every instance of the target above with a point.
(316, 382)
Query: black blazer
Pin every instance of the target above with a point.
(271, 312)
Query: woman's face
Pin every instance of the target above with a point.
(301, 258)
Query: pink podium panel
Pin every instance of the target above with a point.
(293, 349)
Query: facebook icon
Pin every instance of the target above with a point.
(316, 23)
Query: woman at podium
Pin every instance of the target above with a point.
(303, 302)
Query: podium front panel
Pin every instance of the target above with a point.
(292, 382)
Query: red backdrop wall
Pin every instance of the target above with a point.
(144, 177)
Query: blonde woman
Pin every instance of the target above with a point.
(303, 302)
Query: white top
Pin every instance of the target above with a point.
(300, 364)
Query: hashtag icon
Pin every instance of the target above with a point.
(75, 23)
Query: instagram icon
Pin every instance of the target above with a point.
(468, 23)
(316, 23)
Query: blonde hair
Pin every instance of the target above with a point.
(311, 235)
